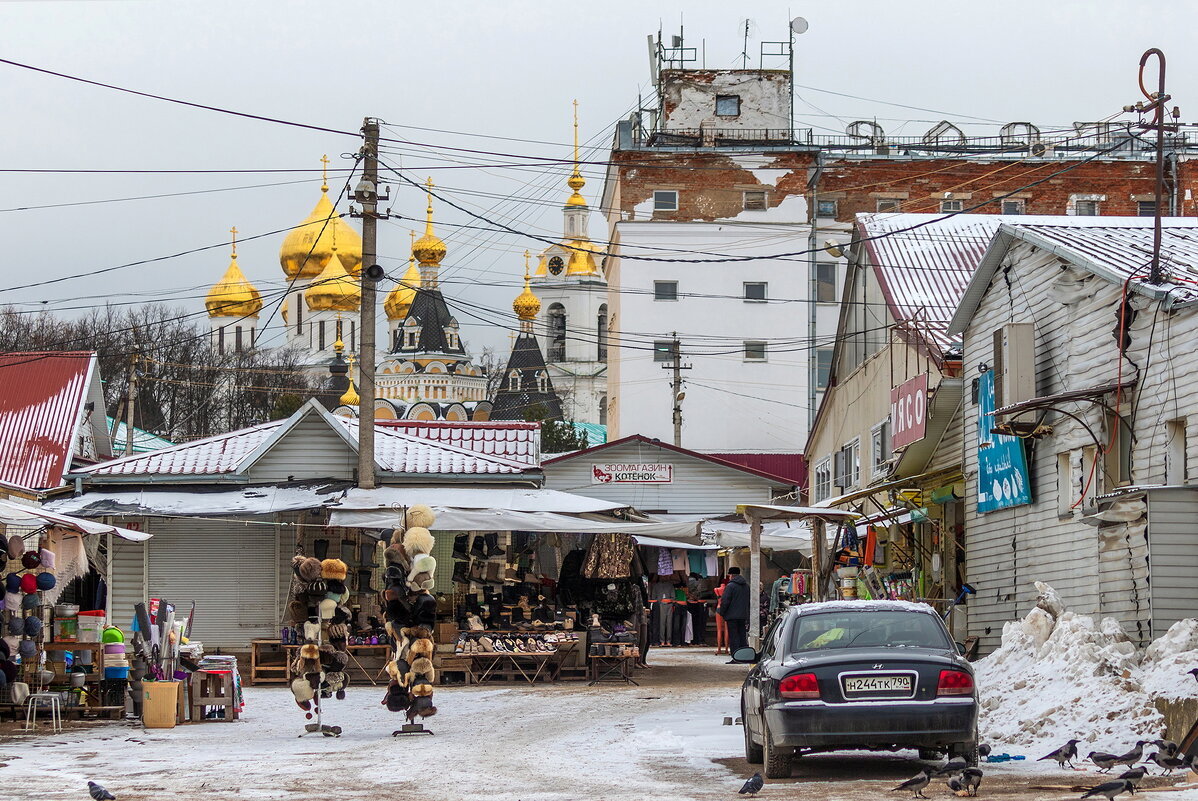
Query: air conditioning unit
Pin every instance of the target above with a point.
(1014, 364)
(1042, 150)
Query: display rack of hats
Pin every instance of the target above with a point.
(28, 619)
(317, 610)
(411, 614)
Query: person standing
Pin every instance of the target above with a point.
(734, 606)
(721, 626)
(695, 603)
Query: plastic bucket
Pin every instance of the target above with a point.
(162, 698)
(123, 673)
(114, 648)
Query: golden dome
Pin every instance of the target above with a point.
(582, 259)
(350, 397)
(333, 289)
(576, 181)
(233, 295)
(307, 247)
(399, 300)
(526, 305)
(429, 249)
(542, 266)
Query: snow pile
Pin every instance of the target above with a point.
(1059, 675)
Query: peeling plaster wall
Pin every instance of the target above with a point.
(689, 96)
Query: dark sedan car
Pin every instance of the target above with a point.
(847, 675)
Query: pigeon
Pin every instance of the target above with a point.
(1133, 756)
(1103, 760)
(971, 778)
(99, 793)
(1170, 764)
(1110, 789)
(1134, 776)
(752, 786)
(1066, 753)
(952, 766)
(1168, 747)
(984, 750)
(916, 784)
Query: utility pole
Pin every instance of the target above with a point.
(366, 194)
(130, 404)
(1156, 104)
(678, 394)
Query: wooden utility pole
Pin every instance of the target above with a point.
(676, 384)
(366, 194)
(130, 404)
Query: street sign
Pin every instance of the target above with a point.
(909, 412)
(1002, 465)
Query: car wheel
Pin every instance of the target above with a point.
(778, 761)
(754, 754)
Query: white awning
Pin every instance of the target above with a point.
(450, 518)
(768, 512)
(16, 514)
(506, 498)
(775, 535)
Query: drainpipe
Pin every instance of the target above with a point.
(812, 250)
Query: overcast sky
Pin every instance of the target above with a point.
(500, 69)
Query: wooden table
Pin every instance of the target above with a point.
(544, 663)
(281, 674)
(614, 669)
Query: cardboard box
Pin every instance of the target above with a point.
(446, 632)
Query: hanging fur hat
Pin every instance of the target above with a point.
(396, 536)
(338, 631)
(47, 557)
(309, 650)
(422, 689)
(417, 540)
(327, 608)
(420, 516)
(417, 632)
(342, 615)
(338, 660)
(396, 555)
(397, 698)
(333, 569)
(316, 589)
(31, 560)
(422, 672)
(398, 610)
(335, 587)
(297, 611)
(311, 630)
(4, 545)
(46, 581)
(12, 600)
(16, 547)
(421, 648)
(424, 610)
(303, 693)
(308, 569)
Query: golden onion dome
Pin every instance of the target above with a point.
(350, 396)
(333, 289)
(349, 246)
(308, 247)
(399, 300)
(526, 305)
(233, 295)
(429, 249)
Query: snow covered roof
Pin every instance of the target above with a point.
(1114, 248)
(44, 419)
(211, 456)
(520, 442)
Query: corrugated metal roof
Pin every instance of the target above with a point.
(508, 440)
(790, 466)
(41, 406)
(143, 441)
(211, 456)
(400, 451)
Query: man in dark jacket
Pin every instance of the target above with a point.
(734, 608)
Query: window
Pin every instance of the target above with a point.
(1065, 489)
(947, 206)
(879, 445)
(557, 332)
(412, 335)
(602, 410)
(847, 466)
(844, 628)
(353, 335)
(756, 201)
(1175, 451)
(220, 340)
(665, 200)
(320, 335)
(602, 337)
(826, 208)
(821, 484)
(889, 204)
(823, 367)
(755, 290)
(1085, 208)
(754, 351)
(1118, 459)
(727, 105)
(1013, 206)
(237, 338)
(513, 381)
(542, 382)
(663, 350)
(665, 290)
(299, 313)
(825, 282)
(1146, 208)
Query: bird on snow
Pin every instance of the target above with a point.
(1193, 672)
(1066, 753)
(1170, 764)
(952, 766)
(1103, 760)
(752, 786)
(916, 784)
(1168, 747)
(1110, 789)
(971, 778)
(1133, 756)
(99, 793)
(984, 750)
(1135, 776)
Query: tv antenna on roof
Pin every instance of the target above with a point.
(744, 54)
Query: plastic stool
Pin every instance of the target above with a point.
(55, 710)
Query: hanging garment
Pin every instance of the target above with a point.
(713, 564)
(678, 557)
(549, 559)
(665, 565)
(698, 563)
(610, 557)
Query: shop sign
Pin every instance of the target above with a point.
(632, 473)
(909, 412)
(1002, 465)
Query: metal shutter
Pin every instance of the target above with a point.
(127, 581)
(230, 571)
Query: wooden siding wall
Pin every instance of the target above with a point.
(1074, 312)
(699, 487)
(312, 450)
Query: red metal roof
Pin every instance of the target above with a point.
(41, 404)
(790, 466)
(508, 440)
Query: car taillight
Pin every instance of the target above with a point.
(799, 685)
(954, 682)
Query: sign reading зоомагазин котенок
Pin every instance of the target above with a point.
(631, 473)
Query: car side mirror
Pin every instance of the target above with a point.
(960, 648)
(745, 655)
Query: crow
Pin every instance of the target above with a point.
(984, 750)
(952, 766)
(1066, 753)
(1170, 764)
(1133, 756)
(1110, 789)
(99, 793)
(752, 786)
(971, 778)
(1193, 672)
(1103, 760)
(1134, 776)
(1168, 747)
(955, 785)
(916, 784)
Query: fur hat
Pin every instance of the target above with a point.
(418, 540)
(316, 589)
(333, 569)
(422, 671)
(396, 555)
(417, 632)
(422, 707)
(335, 587)
(12, 582)
(421, 648)
(398, 610)
(16, 547)
(302, 690)
(420, 516)
(419, 582)
(342, 615)
(28, 583)
(393, 670)
(397, 536)
(297, 611)
(327, 608)
(311, 630)
(31, 560)
(47, 557)
(424, 610)
(338, 660)
(309, 650)
(12, 600)
(308, 569)
(46, 581)
(33, 627)
(397, 698)
(338, 631)
(422, 689)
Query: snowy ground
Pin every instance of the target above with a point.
(664, 739)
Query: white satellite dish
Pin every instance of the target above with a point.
(799, 25)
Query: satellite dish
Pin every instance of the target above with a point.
(798, 25)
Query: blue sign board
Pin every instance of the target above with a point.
(1002, 465)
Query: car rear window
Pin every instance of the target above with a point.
(870, 628)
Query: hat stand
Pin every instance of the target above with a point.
(318, 726)
(312, 591)
(407, 616)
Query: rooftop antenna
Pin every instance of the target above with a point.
(744, 54)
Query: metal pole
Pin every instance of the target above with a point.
(754, 582)
(1155, 273)
(366, 324)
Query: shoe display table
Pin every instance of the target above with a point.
(617, 669)
(517, 666)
